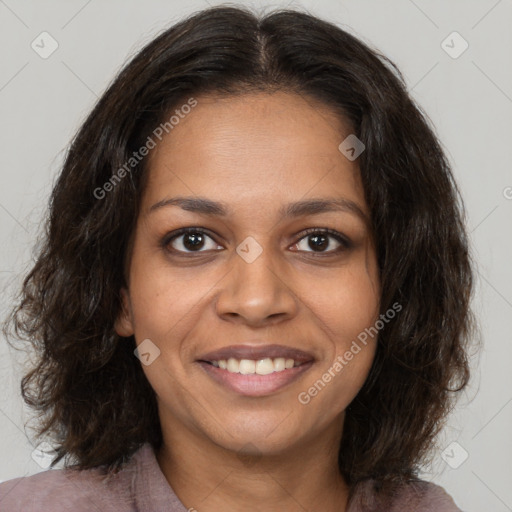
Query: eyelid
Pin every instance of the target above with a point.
(340, 238)
(169, 237)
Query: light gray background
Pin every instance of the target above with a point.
(469, 99)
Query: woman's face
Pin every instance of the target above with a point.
(248, 283)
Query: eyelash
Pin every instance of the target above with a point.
(344, 242)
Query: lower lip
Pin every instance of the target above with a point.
(254, 384)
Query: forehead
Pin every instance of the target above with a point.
(254, 147)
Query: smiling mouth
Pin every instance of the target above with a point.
(264, 366)
(255, 370)
(259, 377)
(254, 384)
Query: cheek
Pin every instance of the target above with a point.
(346, 308)
(162, 300)
(346, 303)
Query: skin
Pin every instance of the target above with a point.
(255, 152)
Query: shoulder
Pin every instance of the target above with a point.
(417, 496)
(62, 490)
(426, 497)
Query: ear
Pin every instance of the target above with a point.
(124, 322)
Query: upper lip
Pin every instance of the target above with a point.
(257, 352)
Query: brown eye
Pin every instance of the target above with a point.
(189, 240)
(319, 241)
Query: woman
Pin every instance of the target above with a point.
(255, 284)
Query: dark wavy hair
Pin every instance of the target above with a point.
(89, 389)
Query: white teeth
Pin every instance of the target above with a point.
(279, 363)
(264, 366)
(233, 365)
(260, 367)
(247, 366)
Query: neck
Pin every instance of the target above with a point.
(207, 477)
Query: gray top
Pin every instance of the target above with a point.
(140, 486)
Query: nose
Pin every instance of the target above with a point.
(256, 293)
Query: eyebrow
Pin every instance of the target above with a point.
(205, 206)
